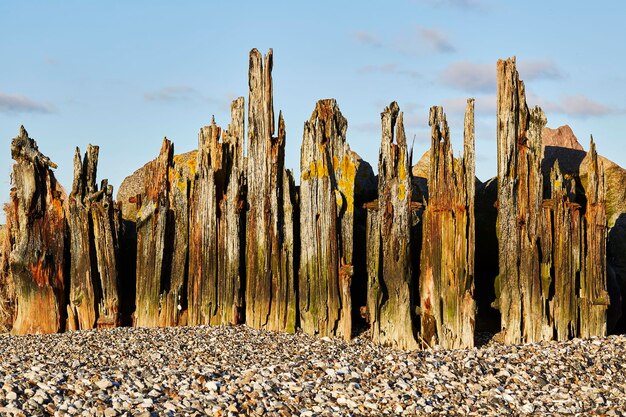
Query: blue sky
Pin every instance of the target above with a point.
(123, 75)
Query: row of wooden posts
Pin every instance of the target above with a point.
(223, 238)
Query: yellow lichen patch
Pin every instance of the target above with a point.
(191, 163)
(401, 192)
(402, 173)
(346, 180)
(339, 198)
(322, 169)
(335, 162)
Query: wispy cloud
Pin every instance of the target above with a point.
(539, 69)
(435, 40)
(367, 38)
(468, 76)
(577, 106)
(459, 4)
(390, 69)
(172, 93)
(419, 40)
(14, 103)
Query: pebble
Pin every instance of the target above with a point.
(223, 371)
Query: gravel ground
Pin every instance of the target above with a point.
(225, 371)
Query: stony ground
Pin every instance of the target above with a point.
(236, 370)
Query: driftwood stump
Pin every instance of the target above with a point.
(327, 188)
(36, 220)
(152, 219)
(270, 282)
(390, 281)
(520, 193)
(94, 234)
(447, 257)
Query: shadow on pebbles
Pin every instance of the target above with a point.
(222, 371)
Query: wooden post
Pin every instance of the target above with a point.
(7, 288)
(520, 193)
(151, 238)
(447, 258)
(202, 287)
(82, 302)
(37, 226)
(270, 292)
(174, 291)
(232, 220)
(93, 228)
(566, 255)
(390, 283)
(594, 298)
(326, 223)
(106, 221)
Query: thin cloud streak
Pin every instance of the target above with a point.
(14, 103)
(459, 4)
(576, 106)
(390, 69)
(419, 40)
(436, 40)
(367, 38)
(172, 93)
(468, 76)
(545, 69)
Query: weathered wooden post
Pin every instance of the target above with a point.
(36, 220)
(152, 219)
(82, 303)
(564, 231)
(327, 187)
(594, 298)
(93, 229)
(106, 223)
(447, 258)
(203, 230)
(232, 220)
(389, 247)
(270, 282)
(174, 291)
(215, 278)
(520, 193)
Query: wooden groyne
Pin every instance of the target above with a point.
(223, 235)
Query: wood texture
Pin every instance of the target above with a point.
(215, 272)
(152, 218)
(270, 286)
(327, 187)
(82, 301)
(520, 193)
(106, 223)
(36, 219)
(447, 258)
(594, 298)
(390, 279)
(94, 247)
(202, 289)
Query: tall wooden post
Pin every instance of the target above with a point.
(37, 226)
(594, 298)
(520, 193)
(390, 283)
(270, 282)
(152, 220)
(447, 257)
(326, 223)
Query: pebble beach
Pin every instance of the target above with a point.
(229, 371)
